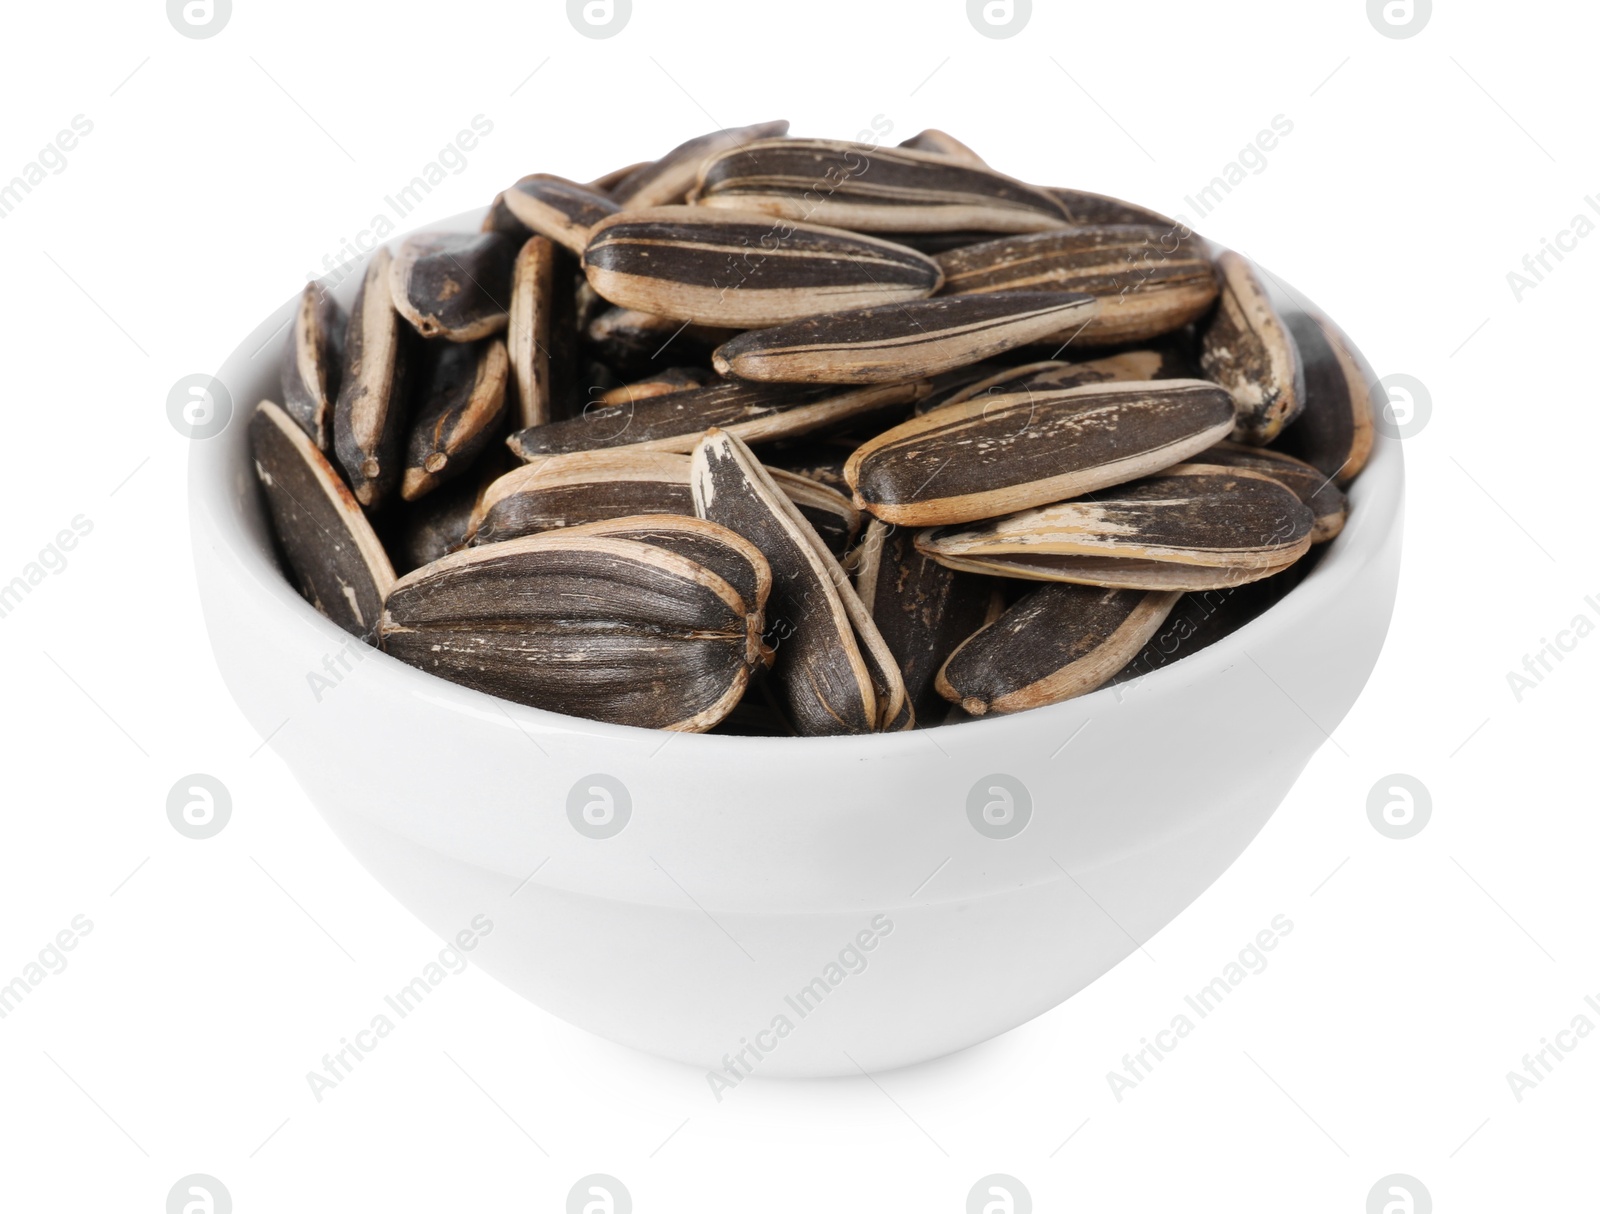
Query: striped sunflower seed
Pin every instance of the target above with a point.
(533, 287)
(998, 454)
(455, 286)
(923, 609)
(330, 547)
(833, 673)
(1192, 527)
(668, 180)
(608, 182)
(673, 379)
(1327, 502)
(720, 267)
(1050, 376)
(1147, 281)
(1247, 349)
(675, 422)
(462, 402)
(726, 553)
(636, 343)
(561, 210)
(1343, 394)
(310, 373)
(941, 143)
(872, 189)
(1054, 643)
(1090, 208)
(608, 629)
(898, 342)
(369, 413)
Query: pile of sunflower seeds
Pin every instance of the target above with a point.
(800, 436)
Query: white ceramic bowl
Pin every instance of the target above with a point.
(751, 870)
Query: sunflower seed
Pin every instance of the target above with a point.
(831, 514)
(454, 286)
(1247, 349)
(533, 283)
(1051, 375)
(463, 399)
(833, 672)
(1328, 504)
(369, 414)
(997, 454)
(726, 553)
(1147, 283)
(499, 218)
(675, 422)
(942, 144)
(669, 180)
(720, 267)
(635, 342)
(608, 182)
(441, 523)
(818, 459)
(609, 629)
(310, 373)
(673, 379)
(872, 189)
(922, 609)
(935, 243)
(1088, 208)
(1334, 432)
(901, 341)
(1053, 644)
(1192, 527)
(330, 547)
(557, 208)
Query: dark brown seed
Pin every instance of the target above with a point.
(610, 181)
(1247, 349)
(1343, 394)
(1328, 504)
(941, 143)
(311, 356)
(726, 553)
(442, 522)
(872, 189)
(1051, 645)
(533, 288)
(754, 412)
(1052, 375)
(833, 673)
(754, 717)
(669, 180)
(934, 243)
(462, 400)
(923, 609)
(639, 343)
(1088, 208)
(499, 218)
(831, 514)
(608, 629)
(720, 267)
(369, 415)
(455, 286)
(818, 459)
(1192, 527)
(1148, 281)
(557, 208)
(998, 454)
(902, 341)
(673, 379)
(330, 547)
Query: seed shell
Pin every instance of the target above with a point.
(369, 413)
(941, 143)
(310, 373)
(1343, 393)
(742, 270)
(1192, 527)
(561, 210)
(1327, 502)
(673, 379)
(329, 545)
(639, 343)
(609, 629)
(997, 454)
(898, 342)
(462, 402)
(1051, 375)
(533, 287)
(670, 179)
(441, 523)
(1054, 643)
(608, 182)
(1089, 208)
(454, 285)
(726, 553)
(872, 189)
(1247, 349)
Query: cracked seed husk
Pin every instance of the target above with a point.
(461, 401)
(309, 376)
(369, 414)
(1246, 348)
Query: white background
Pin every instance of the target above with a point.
(219, 171)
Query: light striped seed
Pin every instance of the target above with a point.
(1052, 375)
(1192, 527)
(1247, 349)
(1089, 208)
(675, 422)
(1147, 281)
(669, 180)
(901, 341)
(369, 414)
(941, 143)
(332, 551)
(557, 208)
(673, 379)
(310, 373)
(609, 629)
(1054, 643)
(608, 182)
(998, 454)
(833, 673)
(455, 286)
(533, 285)
(1319, 491)
(1334, 432)
(736, 269)
(872, 189)
(461, 404)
